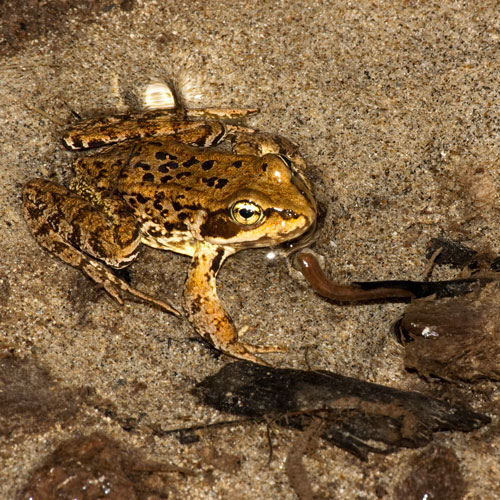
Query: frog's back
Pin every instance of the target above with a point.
(180, 172)
(168, 184)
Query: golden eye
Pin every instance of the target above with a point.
(246, 213)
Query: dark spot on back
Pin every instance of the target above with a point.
(180, 175)
(192, 206)
(159, 196)
(237, 164)
(163, 155)
(166, 178)
(264, 167)
(149, 177)
(207, 165)
(192, 161)
(209, 182)
(141, 198)
(177, 206)
(221, 183)
(154, 232)
(142, 165)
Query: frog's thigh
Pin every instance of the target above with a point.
(67, 225)
(85, 237)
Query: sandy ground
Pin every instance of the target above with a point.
(396, 107)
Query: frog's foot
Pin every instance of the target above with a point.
(205, 311)
(242, 350)
(255, 349)
(99, 273)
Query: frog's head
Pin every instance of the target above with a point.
(269, 204)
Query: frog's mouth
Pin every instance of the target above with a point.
(295, 239)
(304, 240)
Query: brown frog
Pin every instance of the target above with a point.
(161, 180)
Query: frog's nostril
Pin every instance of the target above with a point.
(288, 214)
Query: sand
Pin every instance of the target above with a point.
(396, 107)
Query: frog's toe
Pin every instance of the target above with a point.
(247, 352)
(262, 349)
(240, 351)
(255, 348)
(250, 357)
(113, 284)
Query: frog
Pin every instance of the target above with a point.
(191, 181)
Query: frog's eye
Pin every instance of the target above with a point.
(285, 160)
(246, 213)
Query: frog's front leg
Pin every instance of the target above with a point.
(84, 235)
(205, 311)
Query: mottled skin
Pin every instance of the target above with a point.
(163, 183)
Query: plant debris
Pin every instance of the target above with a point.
(294, 465)
(454, 338)
(358, 416)
(94, 467)
(434, 473)
(453, 253)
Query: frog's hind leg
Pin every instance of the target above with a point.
(84, 236)
(187, 126)
(253, 142)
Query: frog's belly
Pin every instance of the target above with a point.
(175, 241)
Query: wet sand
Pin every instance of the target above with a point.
(397, 111)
